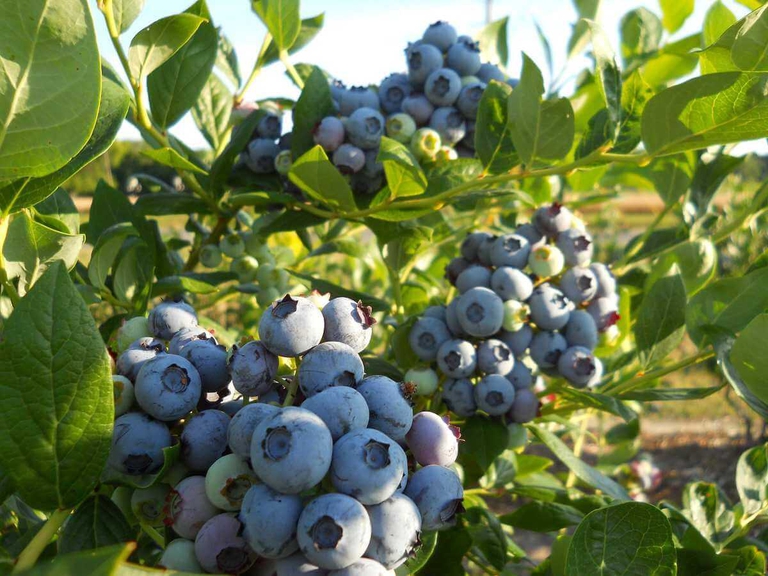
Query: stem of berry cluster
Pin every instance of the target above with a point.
(32, 551)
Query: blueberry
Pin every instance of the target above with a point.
(130, 331)
(438, 495)
(395, 531)
(426, 337)
(455, 267)
(432, 440)
(260, 155)
(606, 282)
(169, 317)
(418, 107)
(546, 261)
(494, 394)
(437, 311)
(577, 365)
(179, 555)
(367, 465)
(604, 312)
(400, 127)
(452, 319)
(253, 368)
(464, 58)
(147, 504)
(553, 219)
(269, 521)
(546, 348)
(342, 409)
(468, 143)
(532, 234)
(130, 362)
(550, 309)
(442, 87)
(357, 97)
(469, 99)
(494, 357)
(204, 439)
(220, 548)
(390, 411)
(471, 244)
(329, 364)
(363, 184)
(425, 380)
(440, 34)
(595, 380)
(392, 91)
(511, 284)
(296, 565)
(329, 133)
(472, 277)
(291, 326)
(349, 159)
(581, 330)
(334, 531)
(232, 245)
(227, 481)
(291, 451)
(525, 408)
(242, 425)
(459, 397)
(425, 144)
(210, 361)
(422, 59)
(124, 395)
(231, 407)
(373, 168)
(449, 123)
(363, 567)
(510, 250)
(519, 340)
(187, 335)
(488, 72)
(457, 359)
(137, 444)
(520, 376)
(480, 312)
(189, 507)
(579, 285)
(349, 322)
(484, 248)
(576, 246)
(365, 128)
(270, 126)
(168, 387)
(338, 88)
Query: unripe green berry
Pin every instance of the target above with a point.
(132, 330)
(425, 143)
(267, 295)
(546, 261)
(245, 267)
(425, 380)
(267, 275)
(232, 245)
(283, 162)
(210, 256)
(401, 127)
(244, 218)
(227, 481)
(319, 299)
(515, 315)
(124, 396)
(446, 154)
(465, 80)
(180, 555)
(148, 504)
(122, 499)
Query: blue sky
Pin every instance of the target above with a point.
(363, 40)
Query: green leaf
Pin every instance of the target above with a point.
(105, 252)
(723, 346)
(598, 402)
(582, 470)
(717, 20)
(447, 558)
(97, 522)
(632, 538)
(133, 273)
(484, 440)
(728, 304)
(314, 104)
(543, 517)
(175, 86)
(156, 43)
(99, 562)
(749, 359)
(586, 10)
(709, 511)
(697, 260)
(226, 60)
(310, 27)
(669, 394)
(56, 407)
(60, 206)
(125, 13)
(169, 157)
(707, 179)
(540, 129)
(282, 19)
(493, 138)
(752, 479)
(31, 248)
(641, 32)
(212, 110)
(49, 85)
(176, 284)
(493, 42)
(404, 175)
(320, 179)
(714, 109)
(336, 290)
(671, 176)
(222, 166)
(660, 324)
(750, 47)
(672, 61)
(27, 192)
(607, 75)
(487, 535)
(423, 554)
(751, 562)
(109, 207)
(716, 57)
(675, 13)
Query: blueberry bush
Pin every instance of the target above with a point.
(328, 344)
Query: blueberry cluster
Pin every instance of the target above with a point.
(320, 481)
(432, 109)
(529, 301)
